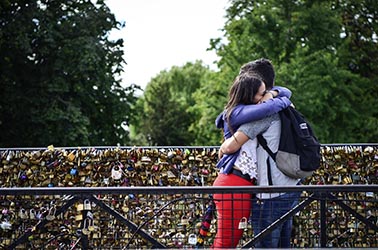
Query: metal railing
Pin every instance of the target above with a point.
(72, 198)
(322, 195)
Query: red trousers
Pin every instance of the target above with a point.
(231, 209)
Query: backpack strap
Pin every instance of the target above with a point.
(270, 180)
(264, 144)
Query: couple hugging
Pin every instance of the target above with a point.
(252, 110)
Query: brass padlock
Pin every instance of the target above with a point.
(7, 241)
(184, 221)
(71, 156)
(79, 217)
(85, 229)
(91, 226)
(125, 207)
(80, 207)
(96, 235)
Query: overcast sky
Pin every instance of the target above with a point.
(160, 34)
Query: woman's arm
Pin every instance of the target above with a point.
(246, 131)
(248, 113)
(276, 92)
(233, 144)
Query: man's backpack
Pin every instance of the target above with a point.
(298, 154)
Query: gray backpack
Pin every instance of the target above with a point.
(298, 154)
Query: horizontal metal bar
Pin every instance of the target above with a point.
(184, 189)
(167, 147)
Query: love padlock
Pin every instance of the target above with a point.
(85, 229)
(80, 207)
(97, 235)
(51, 215)
(116, 173)
(243, 224)
(73, 171)
(192, 239)
(40, 213)
(22, 176)
(71, 156)
(91, 225)
(87, 204)
(32, 214)
(106, 181)
(23, 214)
(184, 221)
(79, 217)
(192, 205)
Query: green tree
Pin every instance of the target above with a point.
(210, 98)
(165, 110)
(327, 92)
(324, 51)
(57, 73)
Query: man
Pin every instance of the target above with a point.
(266, 208)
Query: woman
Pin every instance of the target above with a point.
(234, 209)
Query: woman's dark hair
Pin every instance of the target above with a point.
(242, 91)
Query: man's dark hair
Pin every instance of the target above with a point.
(264, 68)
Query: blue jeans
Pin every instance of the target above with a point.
(265, 212)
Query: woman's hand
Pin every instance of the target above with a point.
(220, 153)
(268, 95)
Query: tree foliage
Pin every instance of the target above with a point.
(59, 85)
(166, 108)
(324, 51)
(57, 73)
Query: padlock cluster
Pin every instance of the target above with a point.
(344, 230)
(107, 167)
(173, 220)
(342, 165)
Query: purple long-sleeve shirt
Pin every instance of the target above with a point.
(247, 113)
